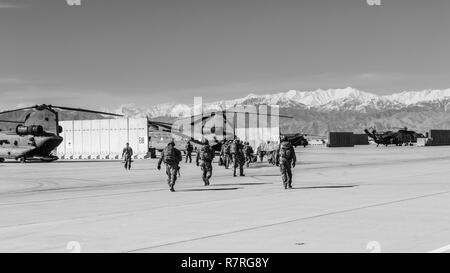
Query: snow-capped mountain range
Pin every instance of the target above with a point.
(315, 112)
(346, 99)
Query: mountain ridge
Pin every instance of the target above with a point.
(321, 111)
(345, 99)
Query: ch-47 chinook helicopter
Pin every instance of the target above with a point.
(399, 138)
(37, 136)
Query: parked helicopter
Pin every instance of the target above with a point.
(399, 138)
(296, 139)
(224, 116)
(37, 136)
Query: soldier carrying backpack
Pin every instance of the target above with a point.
(238, 157)
(171, 157)
(204, 159)
(248, 152)
(285, 158)
(225, 156)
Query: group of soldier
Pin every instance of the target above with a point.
(235, 153)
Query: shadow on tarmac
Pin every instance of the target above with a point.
(241, 184)
(209, 189)
(323, 187)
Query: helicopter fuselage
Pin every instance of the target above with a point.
(13, 146)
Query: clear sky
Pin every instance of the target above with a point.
(109, 52)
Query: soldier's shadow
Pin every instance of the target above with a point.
(260, 165)
(324, 187)
(241, 184)
(209, 189)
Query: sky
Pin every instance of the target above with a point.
(105, 53)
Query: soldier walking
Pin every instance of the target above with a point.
(285, 159)
(237, 155)
(225, 154)
(171, 157)
(127, 155)
(204, 160)
(260, 152)
(248, 152)
(189, 149)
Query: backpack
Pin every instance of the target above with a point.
(170, 155)
(286, 151)
(189, 148)
(249, 151)
(234, 148)
(206, 154)
(228, 149)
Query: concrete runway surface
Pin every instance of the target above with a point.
(361, 199)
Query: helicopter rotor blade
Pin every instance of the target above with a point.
(85, 110)
(206, 115)
(16, 110)
(11, 121)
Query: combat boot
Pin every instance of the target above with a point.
(171, 188)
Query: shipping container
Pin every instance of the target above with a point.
(439, 137)
(360, 139)
(340, 139)
(105, 138)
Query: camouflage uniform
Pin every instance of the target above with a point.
(285, 159)
(237, 155)
(225, 154)
(171, 157)
(127, 155)
(260, 152)
(248, 152)
(189, 149)
(204, 160)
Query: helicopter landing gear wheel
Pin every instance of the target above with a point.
(23, 159)
(2, 160)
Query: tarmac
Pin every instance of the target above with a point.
(362, 199)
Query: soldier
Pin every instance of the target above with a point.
(285, 158)
(237, 155)
(204, 159)
(268, 147)
(189, 149)
(171, 157)
(276, 150)
(248, 152)
(127, 154)
(260, 152)
(225, 153)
